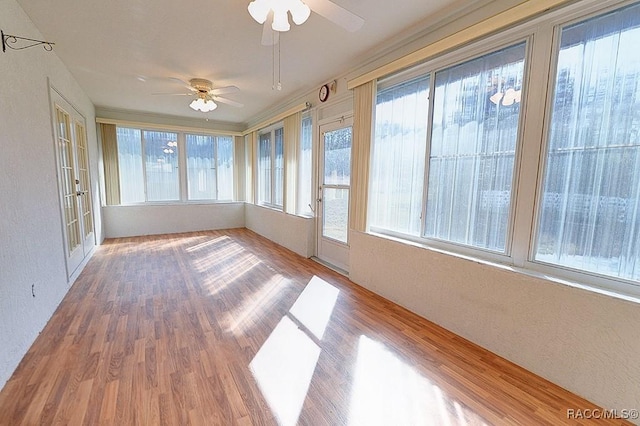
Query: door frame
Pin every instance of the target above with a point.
(329, 250)
(80, 254)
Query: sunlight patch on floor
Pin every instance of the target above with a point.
(283, 368)
(285, 363)
(388, 391)
(314, 306)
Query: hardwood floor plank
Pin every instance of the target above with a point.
(199, 328)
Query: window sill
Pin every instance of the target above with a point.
(173, 203)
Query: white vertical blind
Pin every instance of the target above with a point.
(201, 167)
(305, 168)
(397, 166)
(161, 165)
(278, 172)
(473, 142)
(130, 165)
(224, 151)
(264, 168)
(590, 209)
(292, 135)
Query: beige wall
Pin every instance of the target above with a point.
(31, 240)
(583, 341)
(293, 232)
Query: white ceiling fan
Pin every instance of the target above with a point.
(273, 14)
(206, 94)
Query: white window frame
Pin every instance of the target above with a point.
(217, 169)
(182, 164)
(272, 131)
(618, 287)
(306, 211)
(474, 51)
(543, 39)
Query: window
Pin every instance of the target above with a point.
(444, 170)
(161, 166)
(399, 146)
(476, 113)
(271, 167)
(155, 178)
(472, 143)
(305, 168)
(130, 165)
(149, 166)
(589, 215)
(209, 167)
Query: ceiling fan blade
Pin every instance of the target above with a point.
(336, 14)
(181, 81)
(269, 36)
(224, 90)
(228, 101)
(174, 94)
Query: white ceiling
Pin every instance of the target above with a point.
(123, 51)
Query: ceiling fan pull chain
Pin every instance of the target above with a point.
(279, 85)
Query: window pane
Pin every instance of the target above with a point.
(279, 169)
(335, 217)
(590, 210)
(305, 167)
(130, 165)
(225, 168)
(337, 157)
(475, 130)
(397, 167)
(264, 168)
(161, 153)
(201, 172)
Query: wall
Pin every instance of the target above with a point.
(31, 240)
(127, 221)
(583, 341)
(293, 232)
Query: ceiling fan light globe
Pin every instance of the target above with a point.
(194, 104)
(259, 10)
(280, 21)
(209, 106)
(300, 12)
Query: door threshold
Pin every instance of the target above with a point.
(330, 266)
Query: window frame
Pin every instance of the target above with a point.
(306, 211)
(216, 149)
(182, 163)
(270, 203)
(474, 51)
(542, 34)
(589, 280)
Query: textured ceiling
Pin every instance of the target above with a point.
(121, 52)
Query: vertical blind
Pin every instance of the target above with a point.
(590, 216)
(397, 169)
(475, 129)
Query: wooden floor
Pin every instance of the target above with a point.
(224, 328)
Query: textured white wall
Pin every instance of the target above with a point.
(586, 342)
(127, 221)
(293, 232)
(31, 245)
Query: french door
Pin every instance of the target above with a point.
(74, 184)
(333, 193)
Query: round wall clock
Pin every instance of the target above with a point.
(323, 94)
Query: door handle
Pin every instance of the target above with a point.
(79, 193)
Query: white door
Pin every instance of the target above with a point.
(333, 195)
(73, 182)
